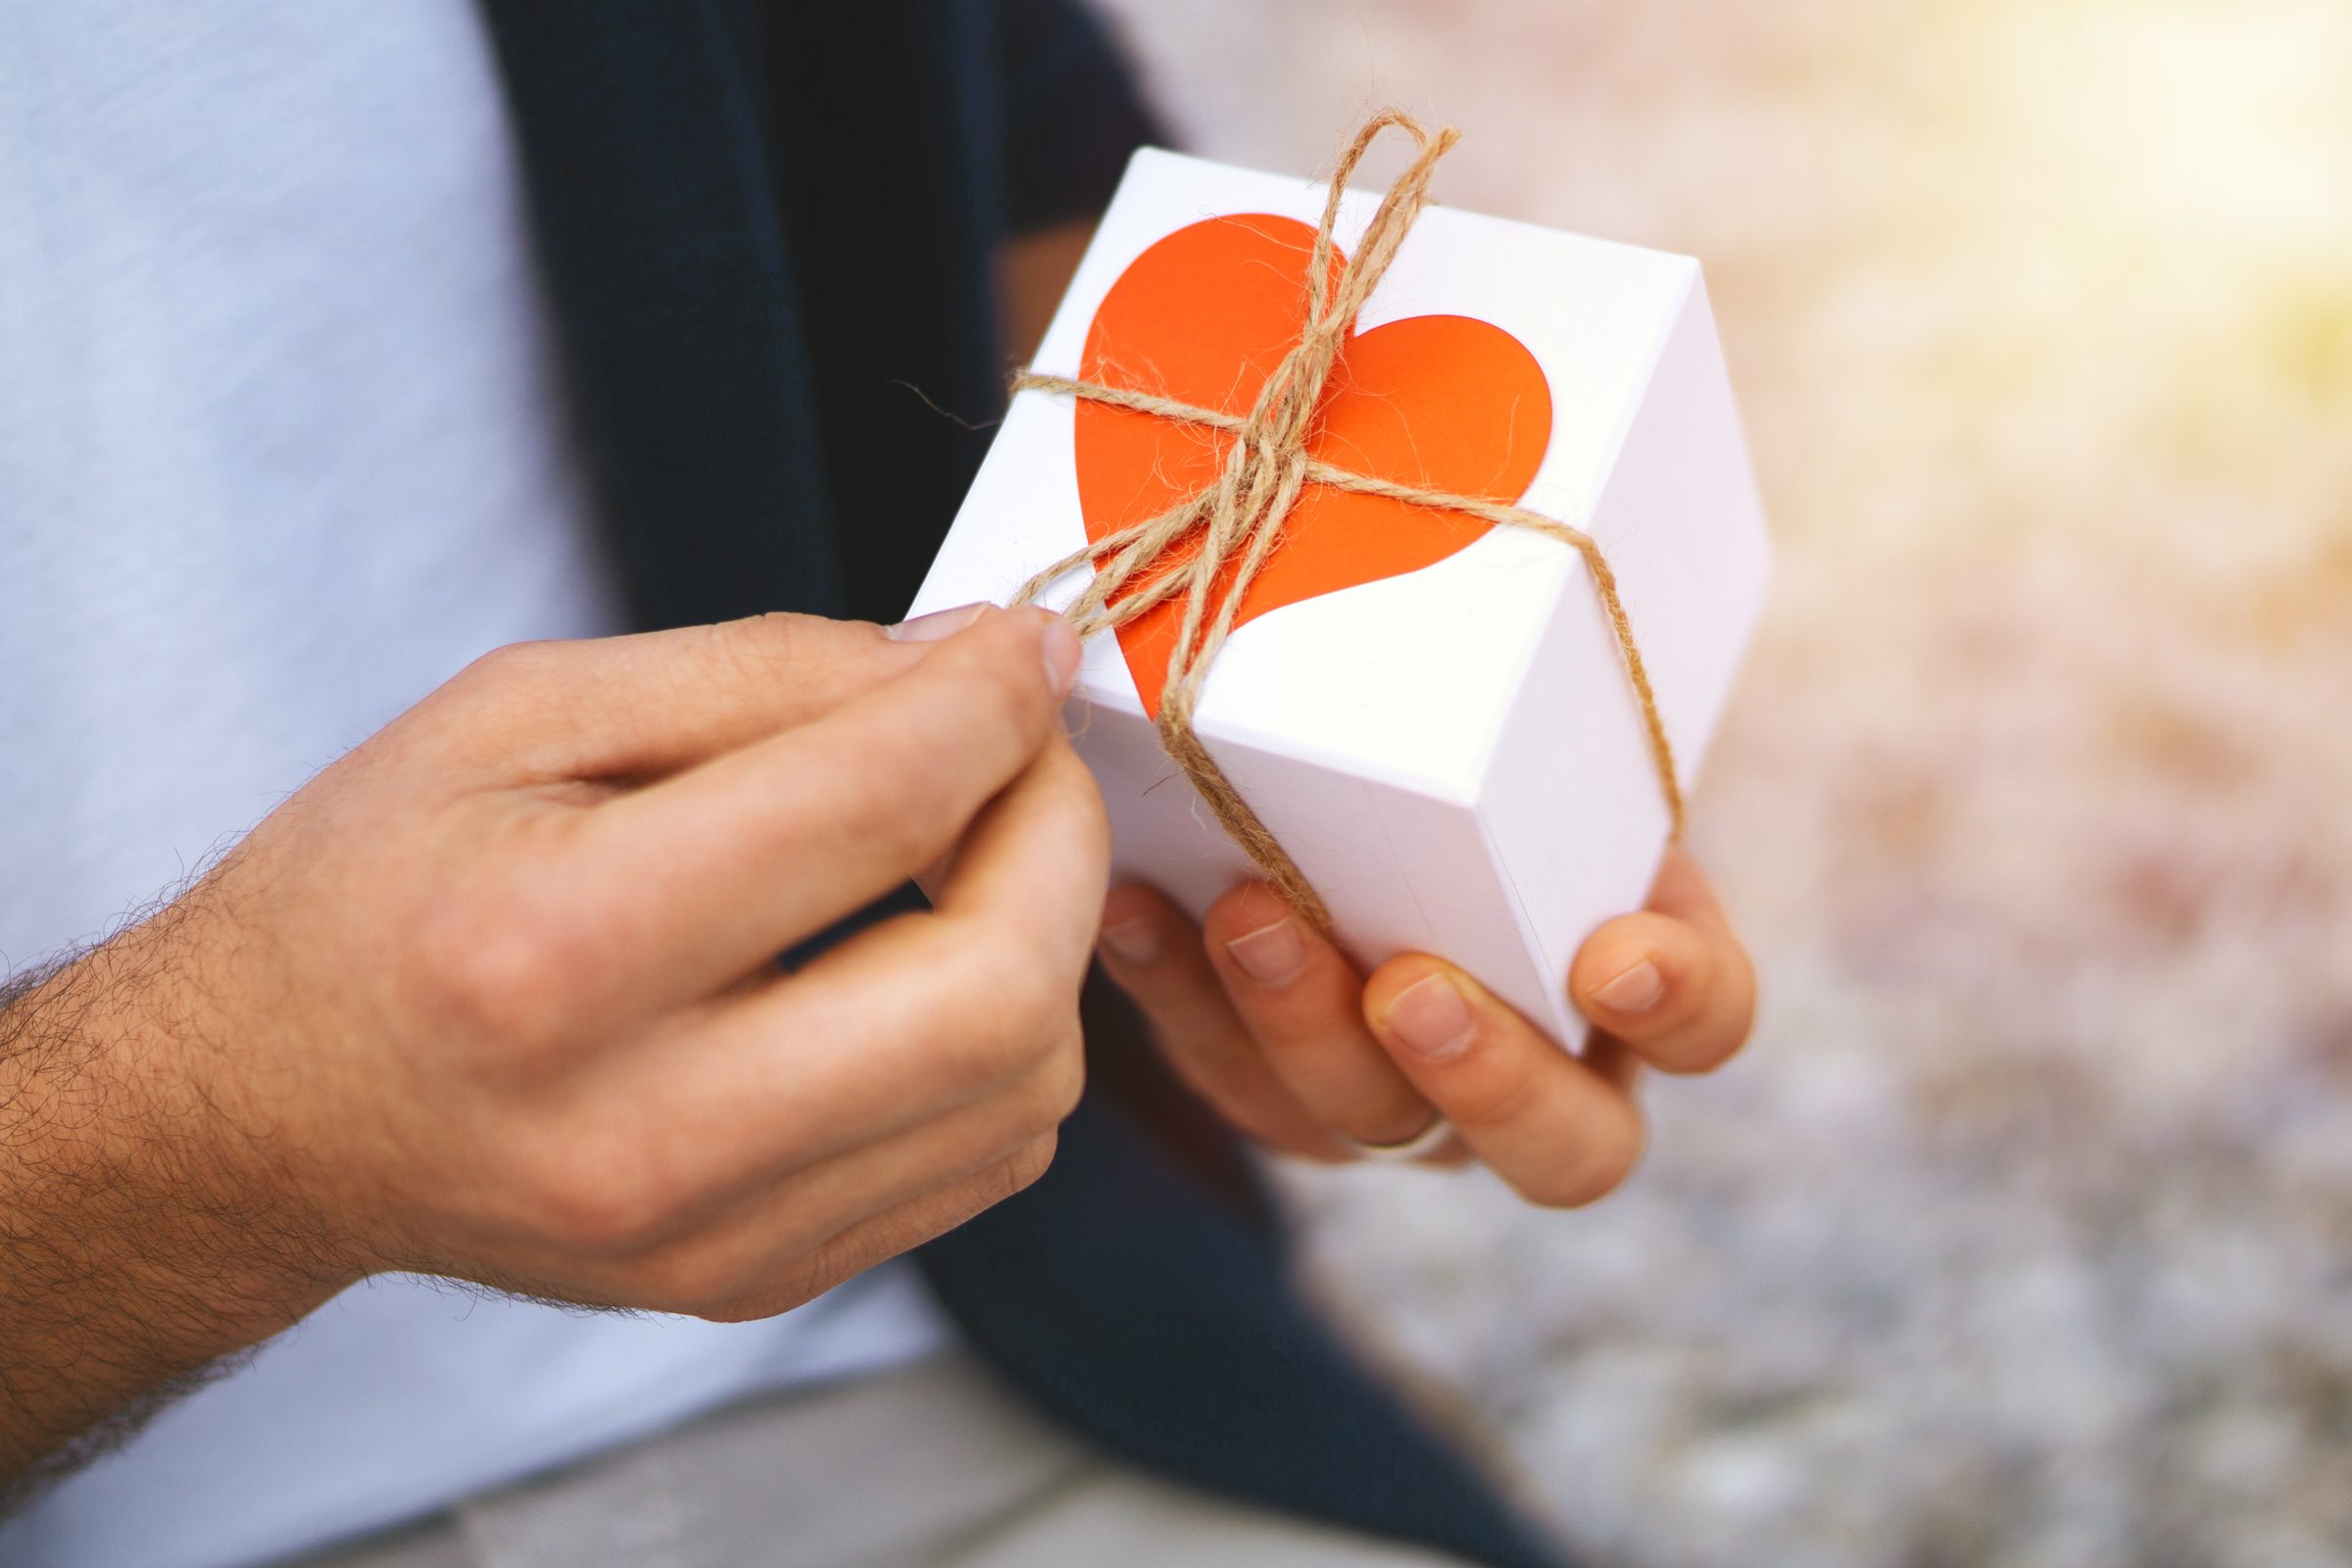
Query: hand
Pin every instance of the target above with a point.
(1278, 1031)
(495, 996)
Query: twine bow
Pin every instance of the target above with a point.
(1239, 521)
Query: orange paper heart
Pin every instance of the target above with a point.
(1204, 315)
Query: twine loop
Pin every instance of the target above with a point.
(1239, 521)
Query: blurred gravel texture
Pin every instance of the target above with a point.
(2024, 1233)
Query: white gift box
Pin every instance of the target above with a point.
(1453, 755)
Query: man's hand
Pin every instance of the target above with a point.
(495, 996)
(1280, 1032)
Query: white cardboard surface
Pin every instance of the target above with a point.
(1482, 791)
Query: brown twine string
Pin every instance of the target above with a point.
(1239, 520)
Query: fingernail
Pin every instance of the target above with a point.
(935, 626)
(1431, 1018)
(1636, 989)
(1135, 941)
(1272, 954)
(1063, 653)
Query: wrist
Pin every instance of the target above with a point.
(144, 1231)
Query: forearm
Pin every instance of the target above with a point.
(133, 1253)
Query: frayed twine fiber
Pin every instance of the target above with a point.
(1239, 521)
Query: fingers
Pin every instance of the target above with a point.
(737, 859)
(884, 1235)
(1301, 999)
(906, 1021)
(724, 1251)
(1672, 982)
(1262, 1017)
(1029, 877)
(773, 1258)
(1154, 953)
(1268, 1024)
(645, 706)
(1561, 1130)
(908, 1056)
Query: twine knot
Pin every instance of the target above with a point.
(1238, 521)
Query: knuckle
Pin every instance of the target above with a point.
(519, 681)
(755, 648)
(1006, 686)
(986, 1051)
(1029, 1164)
(904, 813)
(765, 1301)
(1038, 1005)
(753, 1267)
(987, 1016)
(991, 1185)
(597, 1198)
(1018, 1013)
(1051, 1091)
(699, 1279)
(835, 1259)
(969, 1055)
(1065, 1080)
(512, 686)
(782, 652)
(888, 1235)
(516, 665)
(503, 972)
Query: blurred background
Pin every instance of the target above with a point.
(2023, 1232)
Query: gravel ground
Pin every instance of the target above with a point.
(2024, 1233)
